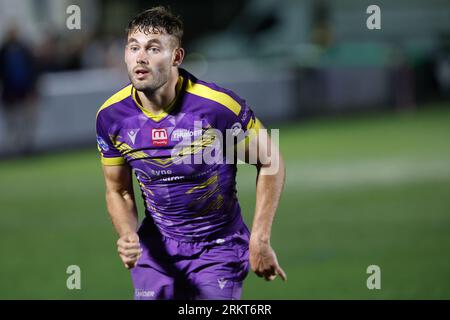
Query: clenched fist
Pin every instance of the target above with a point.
(129, 249)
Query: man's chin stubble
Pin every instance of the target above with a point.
(147, 88)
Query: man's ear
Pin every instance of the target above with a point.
(178, 57)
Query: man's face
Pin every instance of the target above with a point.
(149, 59)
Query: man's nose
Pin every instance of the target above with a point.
(142, 57)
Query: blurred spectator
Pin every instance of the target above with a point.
(402, 80)
(321, 27)
(103, 52)
(47, 53)
(442, 65)
(18, 78)
(93, 53)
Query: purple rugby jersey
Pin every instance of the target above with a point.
(187, 200)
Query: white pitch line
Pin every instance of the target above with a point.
(383, 172)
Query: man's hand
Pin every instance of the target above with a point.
(263, 261)
(129, 249)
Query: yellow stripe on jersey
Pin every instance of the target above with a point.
(203, 185)
(211, 94)
(253, 127)
(117, 161)
(117, 97)
(254, 124)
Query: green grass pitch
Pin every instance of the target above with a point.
(360, 191)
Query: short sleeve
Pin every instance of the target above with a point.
(241, 121)
(110, 156)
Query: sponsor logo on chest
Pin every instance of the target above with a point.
(180, 134)
(159, 137)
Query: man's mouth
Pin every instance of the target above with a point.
(141, 73)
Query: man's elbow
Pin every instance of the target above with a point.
(272, 166)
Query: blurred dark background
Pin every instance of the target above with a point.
(317, 58)
(364, 119)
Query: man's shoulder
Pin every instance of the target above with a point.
(215, 93)
(115, 100)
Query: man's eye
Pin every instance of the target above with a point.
(134, 49)
(154, 49)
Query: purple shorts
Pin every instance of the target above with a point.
(172, 269)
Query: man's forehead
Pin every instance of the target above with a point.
(154, 35)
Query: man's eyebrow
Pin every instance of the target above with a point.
(153, 41)
(148, 42)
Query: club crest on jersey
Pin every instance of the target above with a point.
(236, 129)
(159, 137)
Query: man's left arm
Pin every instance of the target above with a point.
(269, 185)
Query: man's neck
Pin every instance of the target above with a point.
(157, 100)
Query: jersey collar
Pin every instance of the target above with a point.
(167, 109)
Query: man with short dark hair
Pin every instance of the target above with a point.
(192, 243)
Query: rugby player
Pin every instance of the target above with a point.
(193, 242)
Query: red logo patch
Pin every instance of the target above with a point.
(159, 137)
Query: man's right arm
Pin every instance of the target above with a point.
(122, 210)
